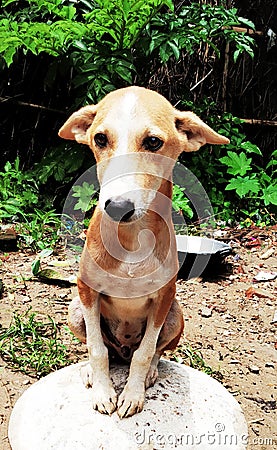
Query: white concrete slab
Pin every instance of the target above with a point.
(186, 409)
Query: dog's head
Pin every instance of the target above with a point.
(136, 136)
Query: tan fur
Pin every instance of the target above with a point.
(141, 328)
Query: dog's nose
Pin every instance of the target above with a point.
(119, 209)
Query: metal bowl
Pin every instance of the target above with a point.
(198, 254)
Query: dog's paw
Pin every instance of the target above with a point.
(130, 401)
(86, 374)
(104, 399)
(151, 377)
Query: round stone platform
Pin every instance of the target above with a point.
(186, 409)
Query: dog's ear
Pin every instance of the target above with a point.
(77, 125)
(195, 132)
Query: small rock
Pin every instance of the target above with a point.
(206, 312)
(254, 369)
(268, 253)
(265, 276)
(234, 361)
(269, 364)
(274, 320)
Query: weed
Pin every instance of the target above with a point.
(186, 353)
(180, 202)
(32, 346)
(18, 191)
(20, 199)
(36, 263)
(39, 229)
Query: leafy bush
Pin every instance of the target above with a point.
(21, 202)
(108, 44)
(113, 43)
(238, 185)
(19, 192)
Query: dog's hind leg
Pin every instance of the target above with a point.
(76, 319)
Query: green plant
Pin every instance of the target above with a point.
(36, 263)
(238, 182)
(180, 202)
(86, 196)
(254, 186)
(60, 164)
(186, 353)
(105, 45)
(18, 191)
(21, 202)
(32, 346)
(194, 23)
(113, 43)
(39, 229)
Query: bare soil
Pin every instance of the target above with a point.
(229, 318)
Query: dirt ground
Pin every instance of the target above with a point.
(229, 318)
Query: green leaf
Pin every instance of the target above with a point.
(251, 148)
(270, 194)
(271, 163)
(84, 193)
(175, 49)
(35, 266)
(247, 22)
(237, 164)
(8, 2)
(45, 252)
(124, 73)
(244, 185)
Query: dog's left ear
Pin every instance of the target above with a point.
(77, 125)
(195, 132)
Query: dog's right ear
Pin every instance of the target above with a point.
(77, 125)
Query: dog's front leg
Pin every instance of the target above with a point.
(131, 400)
(104, 398)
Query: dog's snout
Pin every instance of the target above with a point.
(119, 209)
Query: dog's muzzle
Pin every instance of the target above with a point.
(119, 209)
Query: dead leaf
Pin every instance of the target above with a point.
(250, 292)
(253, 242)
(268, 253)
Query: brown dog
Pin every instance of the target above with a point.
(129, 264)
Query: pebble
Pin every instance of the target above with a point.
(254, 369)
(206, 312)
(269, 364)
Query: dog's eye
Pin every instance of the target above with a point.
(101, 140)
(152, 143)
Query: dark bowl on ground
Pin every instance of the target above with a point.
(200, 256)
